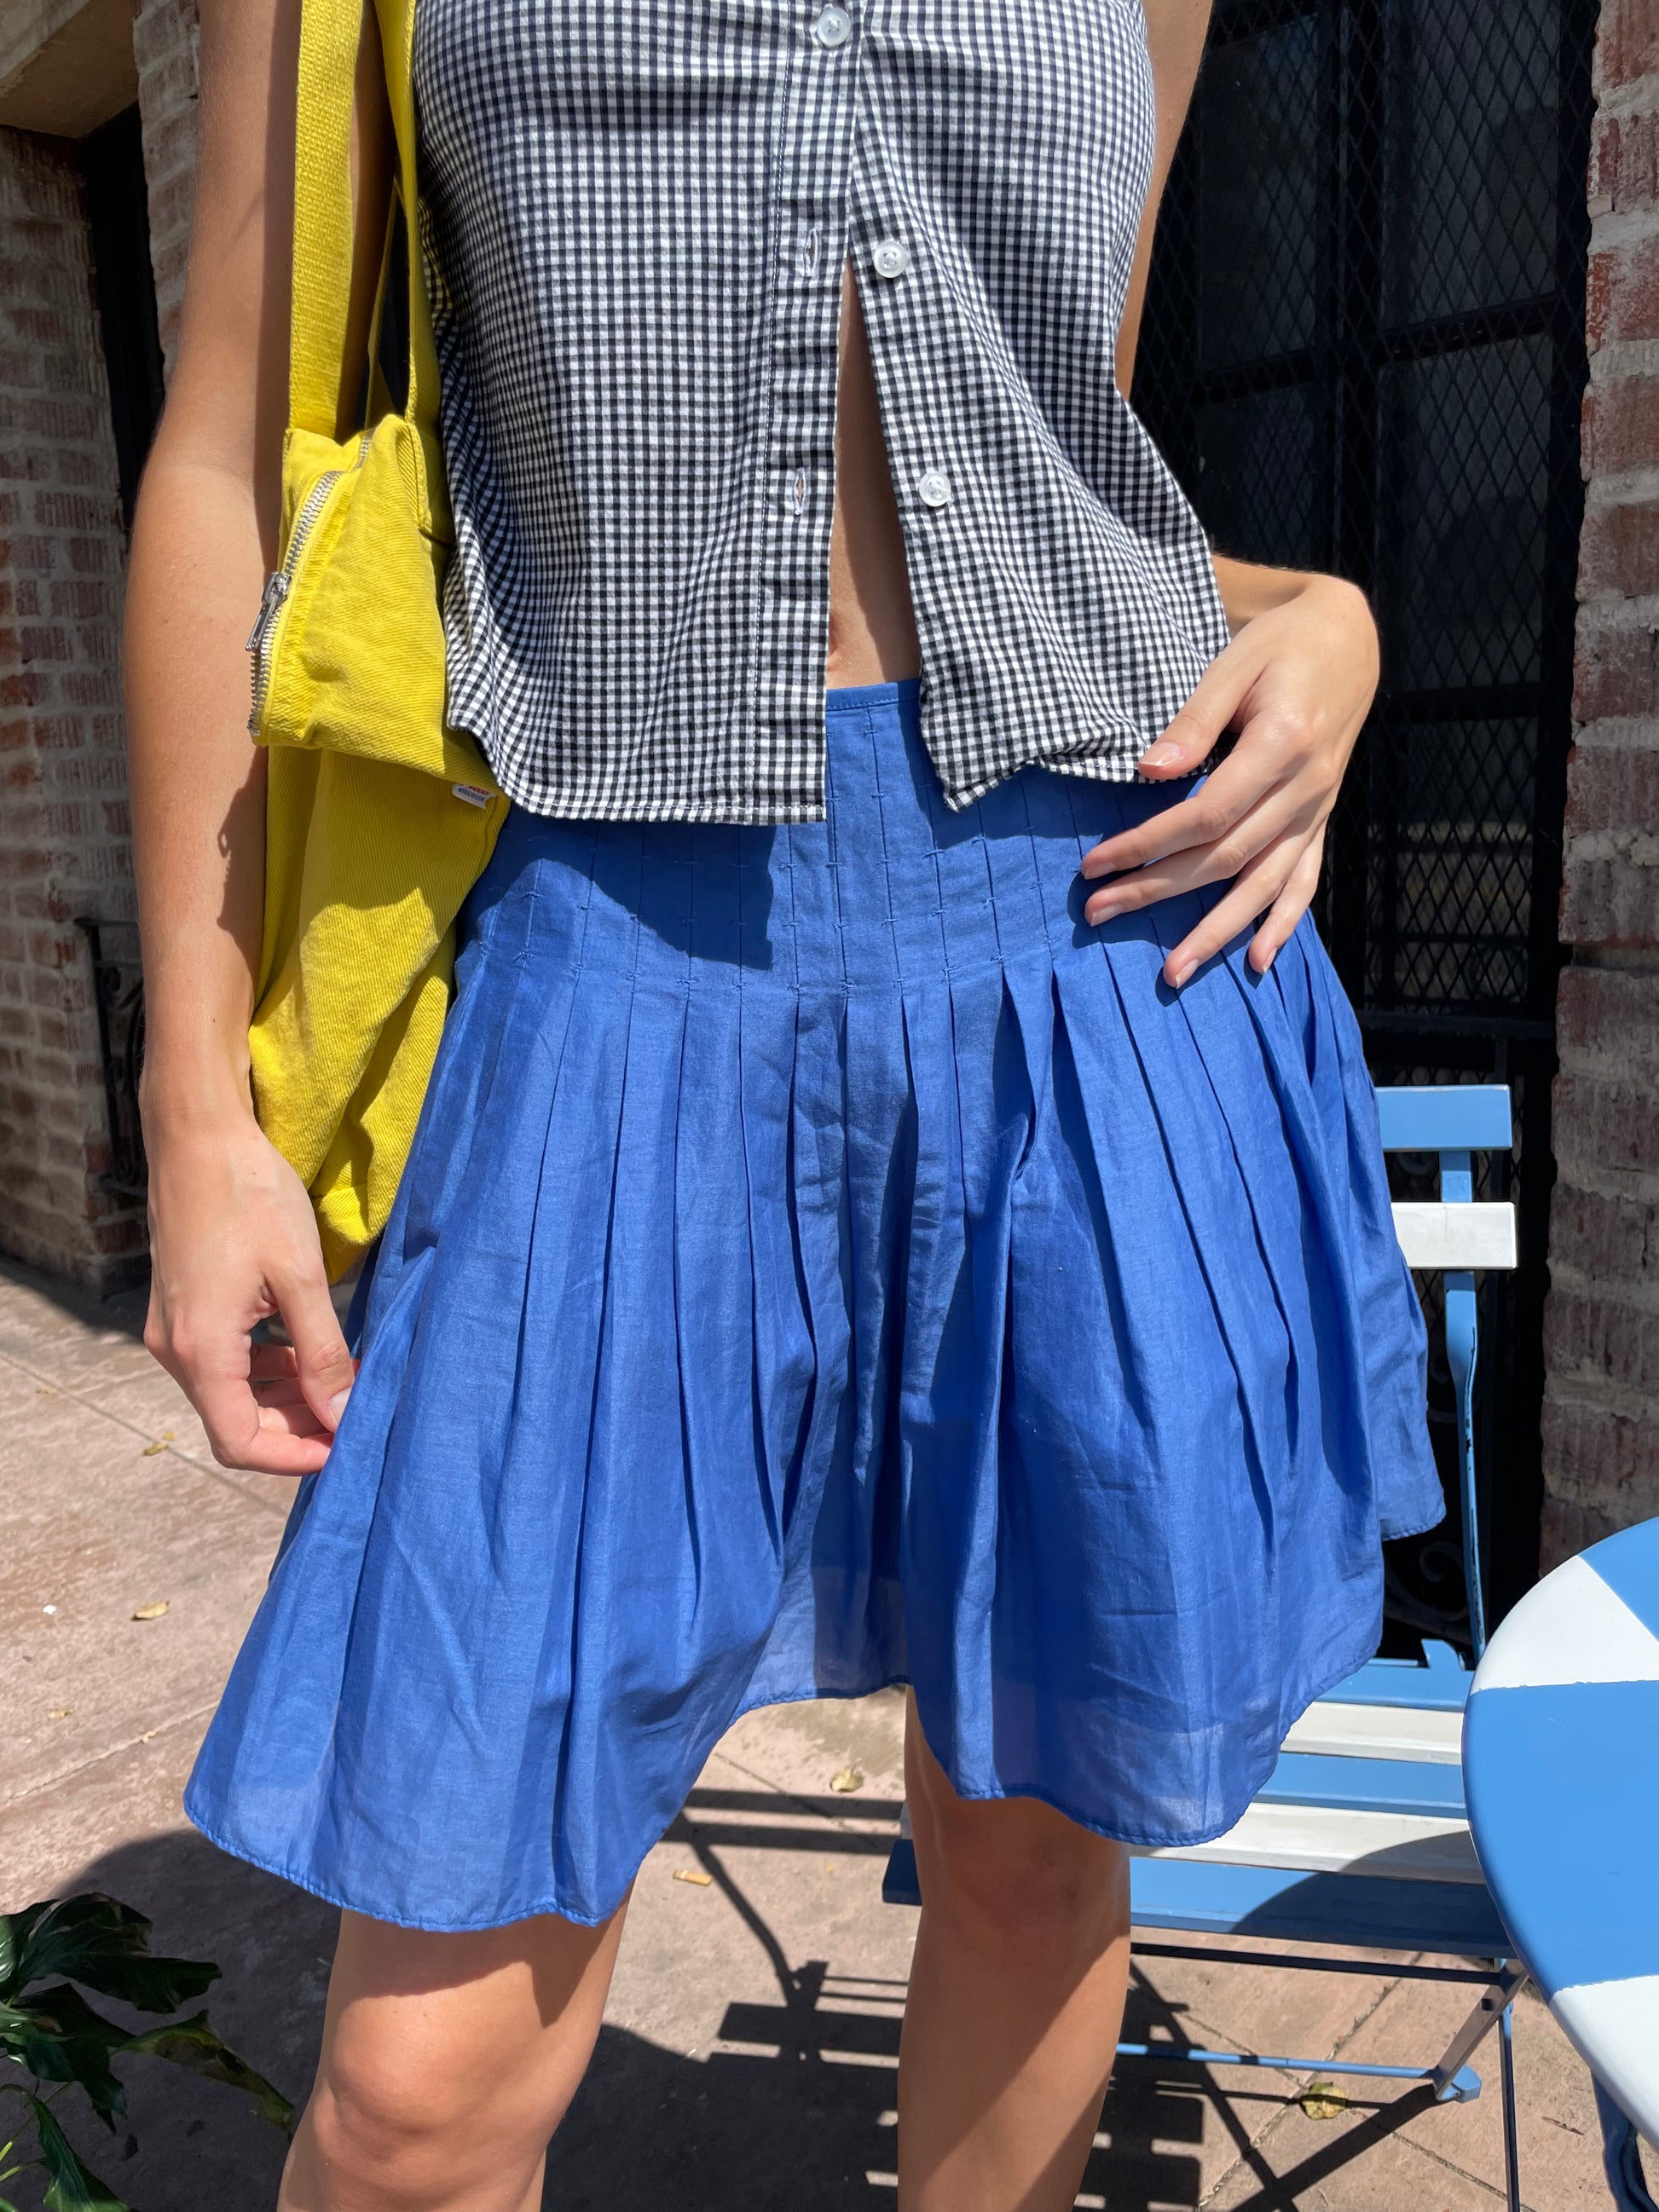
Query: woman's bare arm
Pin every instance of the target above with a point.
(1296, 682)
(233, 1238)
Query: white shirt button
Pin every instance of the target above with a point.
(833, 27)
(891, 257)
(935, 488)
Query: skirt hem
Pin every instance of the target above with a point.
(477, 1927)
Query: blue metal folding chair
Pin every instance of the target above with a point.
(1360, 1837)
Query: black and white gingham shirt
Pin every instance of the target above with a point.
(635, 216)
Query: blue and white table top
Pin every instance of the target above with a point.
(1561, 1768)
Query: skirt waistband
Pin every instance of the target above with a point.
(890, 889)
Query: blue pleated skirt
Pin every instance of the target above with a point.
(826, 1262)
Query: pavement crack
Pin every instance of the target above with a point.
(68, 1774)
(226, 1476)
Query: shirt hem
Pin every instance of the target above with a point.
(1111, 764)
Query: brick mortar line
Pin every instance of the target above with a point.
(1615, 959)
(226, 1476)
(1596, 1179)
(56, 1782)
(1630, 100)
(1637, 482)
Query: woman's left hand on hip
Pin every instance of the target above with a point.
(1296, 683)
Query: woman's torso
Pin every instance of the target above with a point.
(872, 625)
(637, 218)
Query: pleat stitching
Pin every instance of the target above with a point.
(895, 954)
(679, 1330)
(563, 1763)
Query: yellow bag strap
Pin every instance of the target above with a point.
(330, 33)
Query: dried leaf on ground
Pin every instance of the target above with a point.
(849, 1778)
(151, 1612)
(1322, 2100)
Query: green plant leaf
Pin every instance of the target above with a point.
(58, 2037)
(105, 1944)
(71, 2187)
(193, 2044)
(14, 1933)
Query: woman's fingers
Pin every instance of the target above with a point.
(1273, 816)
(283, 1390)
(234, 1241)
(325, 1368)
(1211, 707)
(1288, 908)
(268, 1362)
(252, 1404)
(295, 1421)
(237, 1424)
(1197, 821)
(1255, 890)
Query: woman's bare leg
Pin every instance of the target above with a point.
(1016, 1997)
(447, 2062)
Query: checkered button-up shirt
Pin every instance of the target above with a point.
(635, 214)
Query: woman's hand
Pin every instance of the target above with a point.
(234, 1241)
(1296, 682)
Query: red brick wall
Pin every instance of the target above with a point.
(64, 837)
(63, 829)
(1601, 1404)
(165, 46)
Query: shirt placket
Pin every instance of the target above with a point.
(808, 245)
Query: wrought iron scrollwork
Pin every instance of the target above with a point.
(117, 983)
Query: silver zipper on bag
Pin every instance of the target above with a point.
(279, 582)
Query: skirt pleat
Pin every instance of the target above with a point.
(826, 1261)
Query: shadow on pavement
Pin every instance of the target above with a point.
(189, 2145)
(121, 1308)
(798, 2118)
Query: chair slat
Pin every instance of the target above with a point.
(1289, 1905)
(1437, 1117)
(1379, 1732)
(1472, 1236)
(1441, 1686)
(1286, 1906)
(1365, 1785)
(1394, 1847)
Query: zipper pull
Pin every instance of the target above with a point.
(275, 592)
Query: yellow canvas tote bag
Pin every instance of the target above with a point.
(379, 818)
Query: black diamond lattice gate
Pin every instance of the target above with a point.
(1363, 351)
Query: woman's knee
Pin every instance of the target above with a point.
(414, 2118)
(447, 2062)
(1013, 1873)
(382, 2115)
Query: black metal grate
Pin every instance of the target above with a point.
(1363, 351)
(118, 216)
(118, 984)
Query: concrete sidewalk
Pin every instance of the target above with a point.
(747, 2062)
